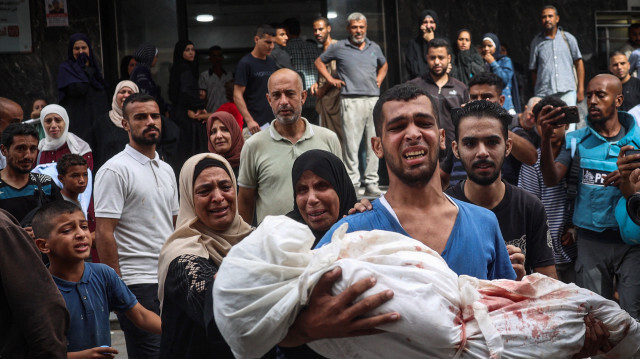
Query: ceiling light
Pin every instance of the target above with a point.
(332, 15)
(204, 18)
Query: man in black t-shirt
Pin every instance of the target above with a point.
(482, 145)
(252, 75)
(619, 67)
(20, 190)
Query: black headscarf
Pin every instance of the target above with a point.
(466, 63)
(426, 13)
(328, 166)
(179, 66)
(73, 70)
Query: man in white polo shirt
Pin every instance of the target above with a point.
(136, 202)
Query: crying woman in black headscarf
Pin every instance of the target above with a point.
(323, 192)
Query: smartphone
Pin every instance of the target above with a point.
(570, 115)
(632, 152)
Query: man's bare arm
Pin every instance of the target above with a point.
(322, 70)
(552, 171)
(329, 316)
(523, 150)
(580, 72)
(247, 203)
(106, 242)
(549, 271)
(238, 99)
(382, 73)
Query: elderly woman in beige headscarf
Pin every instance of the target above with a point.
(208, 225)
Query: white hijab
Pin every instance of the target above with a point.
(76, 144)
(116, 111)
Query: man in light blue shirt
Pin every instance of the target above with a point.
(554, 53)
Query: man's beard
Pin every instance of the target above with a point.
(144, 141)
(483, 181)
(444, 71)
(356, 41)
(288, 121)
(417, 179)
(20, 170)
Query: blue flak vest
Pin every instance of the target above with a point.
(596, 204)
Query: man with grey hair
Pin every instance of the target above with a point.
(266, 159)
(361, 67)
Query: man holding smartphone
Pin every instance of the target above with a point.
(591, 154)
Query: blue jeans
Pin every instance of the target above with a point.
(142, 344)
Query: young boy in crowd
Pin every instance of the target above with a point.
(73, 173)
(90, 290)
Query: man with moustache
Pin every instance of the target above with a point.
(266, 159)
(482, 144)
(328, 103)
(20, 190)
(136, 203)
(409, 139)
(448, 94)
(619, 67)
(361, 68)
(553, 56)
(604, 228)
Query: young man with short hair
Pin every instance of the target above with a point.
(482, 144)
(252, 75)
(136, 203)
(91, 290)
(488, 86)
(21, 191)
(279, 55)
(409, 140)
(619, 67)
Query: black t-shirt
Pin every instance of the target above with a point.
(254, 74)
(523, 223)
(511, 166)
(631, 93)
(19, 202)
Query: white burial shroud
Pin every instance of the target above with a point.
(266, 279)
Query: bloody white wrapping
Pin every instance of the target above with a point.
(267, 278)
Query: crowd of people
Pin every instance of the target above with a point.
(133, 208)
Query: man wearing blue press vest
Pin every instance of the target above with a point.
(606, 235)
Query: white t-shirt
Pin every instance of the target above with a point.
(143, 195)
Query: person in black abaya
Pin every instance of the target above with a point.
(416, 51)
(146, 57)
(467, 62)
(81, 87)
(323, 193)
(315, 172)
(184, 93)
